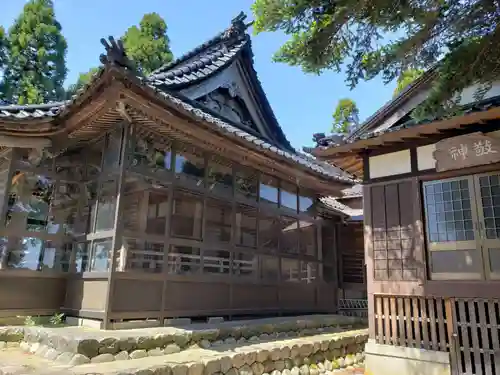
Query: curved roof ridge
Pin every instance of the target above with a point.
(235, 31)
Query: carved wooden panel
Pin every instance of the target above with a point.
(466, 151)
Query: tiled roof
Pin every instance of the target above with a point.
(353, 192)
(225, 127)
(333, 204)
(34, 111)
(196, 65)
(200, 63)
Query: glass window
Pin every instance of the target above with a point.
(288, 196)
(306, 203)
(152, 156)
(290, 269)
(220, 176)
(184, 260)
(307, 238)
(101, 255)
(82, 257)
(268, 190)
(244, 264)
(218, 221)
(111, 159)
(157, 213)
(308, 272)
(187, 215)
(216, 261)
(269, 233)
(269, 268)
(64, 208)
(448, 211)
(190, 164)
(144, 256)
(25, 253)
(106, 206)
(289, 232)
(247, 183)
(246, 226)
(29, 201)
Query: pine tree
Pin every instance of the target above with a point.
(83, 79)
(461, 37)
(36, 66)
(345, 116)
(148, 45)
(407, 77)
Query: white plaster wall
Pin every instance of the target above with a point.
(390, 164)
(468, 93)
(425, 159)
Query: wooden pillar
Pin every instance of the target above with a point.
(118, 224)
(5, 183)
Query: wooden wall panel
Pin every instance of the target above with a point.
(254, 297)
(31, 295)
(82, 294)
(136, 295)
(395, 226)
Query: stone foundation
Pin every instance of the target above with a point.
(328, 354)
(77, 345)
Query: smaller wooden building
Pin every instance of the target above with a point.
(431, 195)
(172, 195)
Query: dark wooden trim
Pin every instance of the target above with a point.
(413, 160)
(88, 314)
(366, 166)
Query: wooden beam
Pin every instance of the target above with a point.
(24, 142)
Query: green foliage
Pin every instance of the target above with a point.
(148, 45)
(30, 320)
(36, 66)
(345, 115)
(57, 319)
(463, 36)
(83, 80)
(407, 77)
(3, 57)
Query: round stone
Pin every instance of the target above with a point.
(286, 372)
(65, 357)
(313, 370)
(139, 353)
(78, 359)
(205, 344)
(122, 356)
(225, 364)
(328, 365)
(101, 358)
(238, 360)
(279, 365)
(180, 369)
(212, 365)
(195, 369)
(263, 355)
(304, 370)
(295, 371)
(171, 349)
(258, 368)
(246, 370)
(230, 341)
(276, 372)
(156, 352)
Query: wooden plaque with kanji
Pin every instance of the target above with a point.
(466, 151)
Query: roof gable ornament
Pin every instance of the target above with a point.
(115, 54)
(238, 26)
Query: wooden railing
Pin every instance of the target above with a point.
(469, 329)
(413, 322)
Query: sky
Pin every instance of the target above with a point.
(303, 103)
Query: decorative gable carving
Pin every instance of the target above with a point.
(227, 102)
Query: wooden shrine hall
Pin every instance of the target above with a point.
(171, 195)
